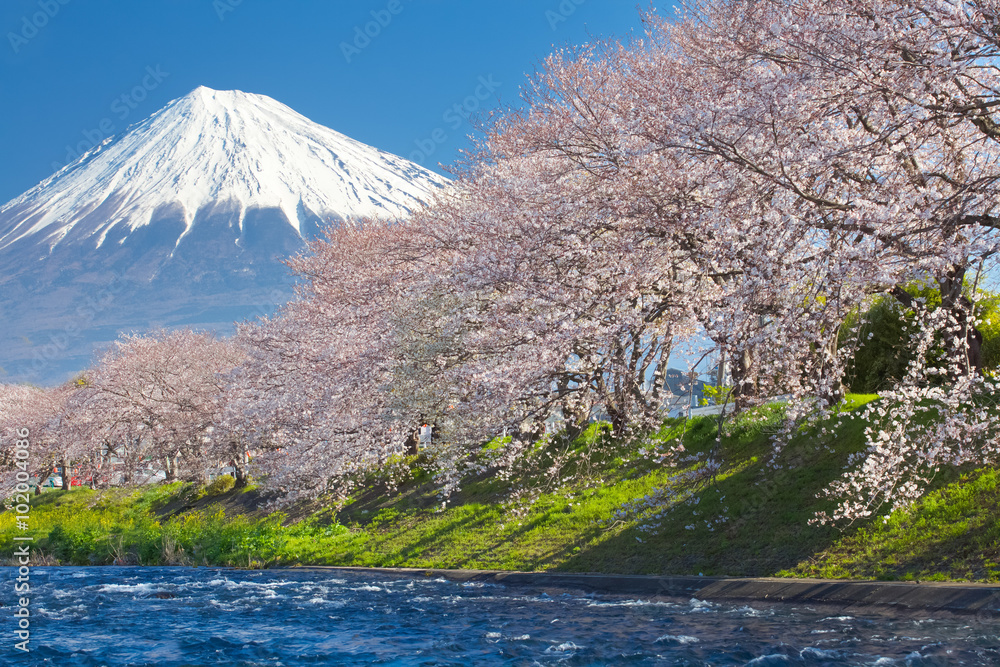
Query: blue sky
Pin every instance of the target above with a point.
(74, 71)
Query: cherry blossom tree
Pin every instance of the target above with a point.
(158, 396)
(42, 414)
(873, 122)
(316, 392)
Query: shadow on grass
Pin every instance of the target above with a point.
(753, 519)
(951, 533)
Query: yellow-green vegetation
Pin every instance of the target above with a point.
(175, 524)
(953, 533)
(587, 503)
(220, 484)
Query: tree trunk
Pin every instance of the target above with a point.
(741, 372)
(576, 413)
(412, 443)
(530, 431)
(65, 475)
(660, 373)
(953, 298)
(171, 469)
(619, 420)
(720, 370)
(240, 475)
(829, 388)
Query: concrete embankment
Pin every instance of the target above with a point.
(961, 598)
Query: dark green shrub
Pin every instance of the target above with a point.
(880, 338)
(988, 313)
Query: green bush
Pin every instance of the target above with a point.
(988, 313)
(218, 486)
(882, 353)
(881, 338)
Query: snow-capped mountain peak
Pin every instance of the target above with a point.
(216, 147)
(184, 219)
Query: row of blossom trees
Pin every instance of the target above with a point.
(150, 402)
(742, 179)
(752, 172)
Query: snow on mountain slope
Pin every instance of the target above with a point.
(218, 146)
(185, 219)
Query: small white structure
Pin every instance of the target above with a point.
(424, 435)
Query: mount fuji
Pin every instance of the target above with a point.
(184, 219)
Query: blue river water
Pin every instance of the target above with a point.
(207, 616)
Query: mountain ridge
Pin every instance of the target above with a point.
(190, 215)
(210, 146)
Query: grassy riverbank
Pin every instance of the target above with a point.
(587, 504)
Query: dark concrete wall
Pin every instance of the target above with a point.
(979, 599)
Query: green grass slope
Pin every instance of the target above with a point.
(590, 503)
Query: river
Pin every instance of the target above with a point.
(209, 616)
